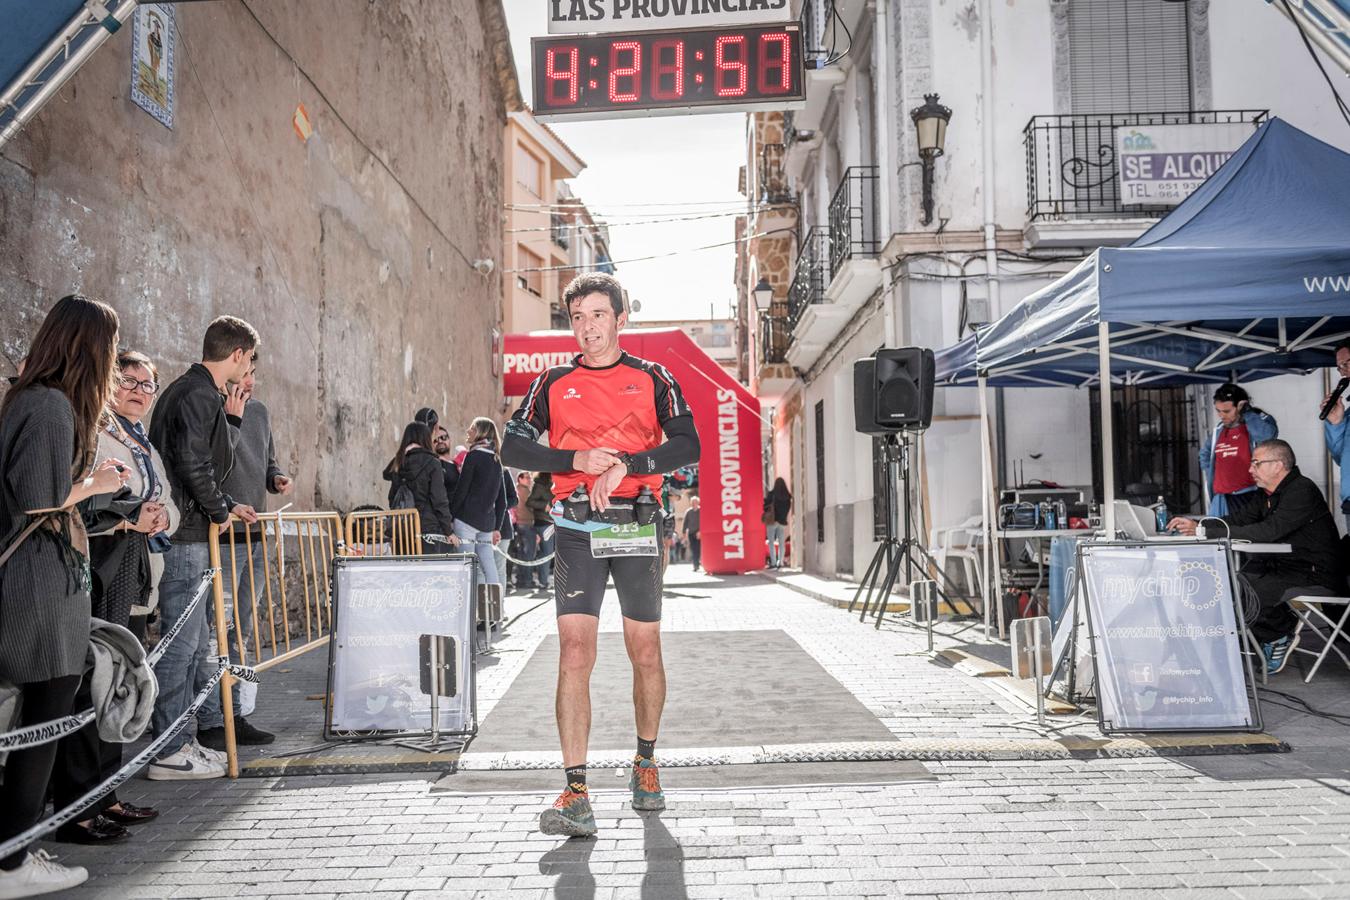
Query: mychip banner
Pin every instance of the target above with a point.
(383, 606)
(1165, 638)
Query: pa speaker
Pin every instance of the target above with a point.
(893, 391)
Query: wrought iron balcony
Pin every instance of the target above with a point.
(773, 180)
(809, 275)
(853, 217)
(561, 230)
(1072, 171)
(774, 336)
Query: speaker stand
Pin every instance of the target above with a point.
(892, 553)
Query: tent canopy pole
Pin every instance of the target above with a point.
(1108, 439)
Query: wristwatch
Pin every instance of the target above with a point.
(627, 460)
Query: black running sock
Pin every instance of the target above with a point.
(576, 778)
(646, 749)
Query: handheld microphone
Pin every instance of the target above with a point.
(1334, 398)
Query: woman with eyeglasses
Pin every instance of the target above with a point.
(49, 463)
(127, 534)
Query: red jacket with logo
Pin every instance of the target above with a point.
(623, 407)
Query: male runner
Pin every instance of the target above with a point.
(604, 413)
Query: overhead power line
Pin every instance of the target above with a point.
(624, 262)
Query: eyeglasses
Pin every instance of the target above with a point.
(1261, 462)
(130, 383)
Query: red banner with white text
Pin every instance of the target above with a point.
(730, 467)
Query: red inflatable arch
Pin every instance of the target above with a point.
(731, 467)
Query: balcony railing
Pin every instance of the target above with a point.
(561, 230)
(773, 180)
(808, 278)
(774, 336)
(1072, 171)
(853, 217)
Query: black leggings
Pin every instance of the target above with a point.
(23, 796)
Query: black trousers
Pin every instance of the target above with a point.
(1276, 619)
(83, 761)
(23, 796)
(695, 548)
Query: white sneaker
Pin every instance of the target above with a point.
(184, 765)
(40, 874)
(206, 753)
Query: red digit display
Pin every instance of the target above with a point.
(732, 67)
(775, 58)
(667, 70)
(562, 79)
(599, 75)
(625, 76)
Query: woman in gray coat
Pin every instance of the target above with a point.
(48, 463)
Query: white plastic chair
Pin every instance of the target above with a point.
(962, 543)
(1310, 608)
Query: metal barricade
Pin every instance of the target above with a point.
(281, 566)
(380, 532)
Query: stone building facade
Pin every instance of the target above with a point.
(332, 175)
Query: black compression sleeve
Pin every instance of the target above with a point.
(519, 452)
(680, 449)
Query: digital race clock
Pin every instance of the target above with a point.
(656, 72)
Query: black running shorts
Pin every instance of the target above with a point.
(579, 579)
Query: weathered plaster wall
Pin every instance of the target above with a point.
(350, 252)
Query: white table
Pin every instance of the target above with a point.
(1238, 546)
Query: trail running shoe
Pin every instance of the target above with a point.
(570, 815)
(1277, 653)
(645, 783)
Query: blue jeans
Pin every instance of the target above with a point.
(527, 539)
(775, 534)
(176, 669)
(544, 571)
(471, 540)
(211, 715)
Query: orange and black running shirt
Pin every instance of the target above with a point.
(625, 407)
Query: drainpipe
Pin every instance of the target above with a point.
(881, 134)
(987, 134)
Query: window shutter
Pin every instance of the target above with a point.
(1129, 56)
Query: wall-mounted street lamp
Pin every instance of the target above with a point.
(763, 295)
(930, 123)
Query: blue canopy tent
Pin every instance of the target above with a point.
(1248, 276)
(42, 44)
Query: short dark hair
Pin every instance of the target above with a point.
(1231, 393)
(594, 283)
(1343, 345)
(127, 359)
(1279, 450)
(225, 335)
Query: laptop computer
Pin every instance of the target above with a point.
(1138, 522)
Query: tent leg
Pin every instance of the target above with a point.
(1108, 438)
(987, 511)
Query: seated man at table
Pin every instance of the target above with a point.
(1291, 511)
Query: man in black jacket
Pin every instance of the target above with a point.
(192, 434)
(1291, 511)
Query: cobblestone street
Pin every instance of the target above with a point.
(1263, 825)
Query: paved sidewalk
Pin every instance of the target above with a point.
(1266, 825)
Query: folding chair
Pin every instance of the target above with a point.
(1311, 606)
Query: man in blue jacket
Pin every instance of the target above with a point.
(1337, 430)
(1226, 455)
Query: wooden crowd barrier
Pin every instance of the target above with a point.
(381, 532)
(286, 619)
